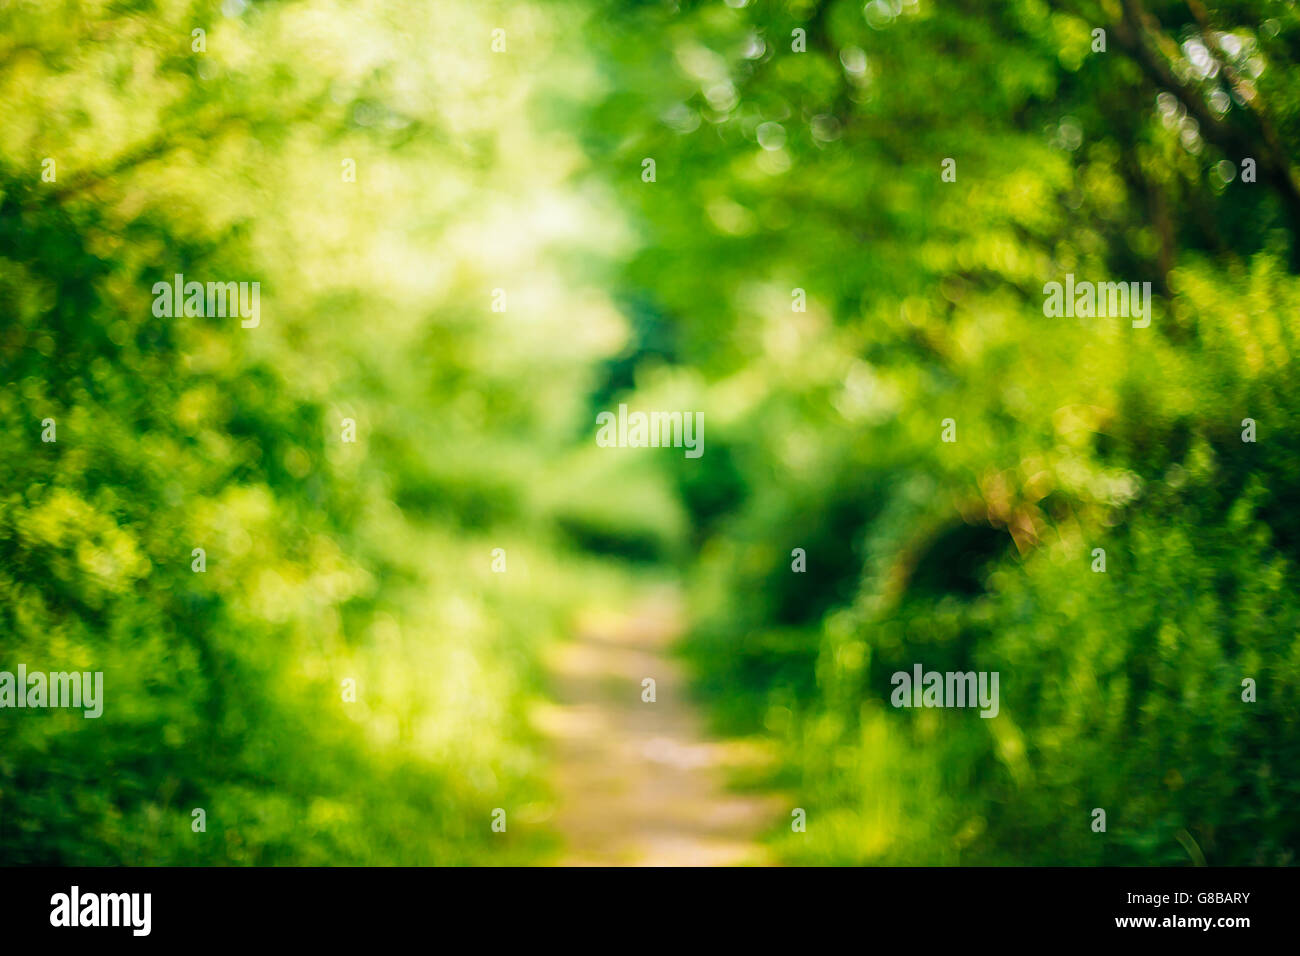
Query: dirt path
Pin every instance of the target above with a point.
(638, 783)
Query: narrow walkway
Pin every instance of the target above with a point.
(638, 783)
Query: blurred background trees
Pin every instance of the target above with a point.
(821, 171)
(798, 146)
(325, 560)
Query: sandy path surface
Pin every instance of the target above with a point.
(638, 783)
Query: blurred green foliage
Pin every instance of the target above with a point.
(776, 170)
(325, 560)
(821, 171)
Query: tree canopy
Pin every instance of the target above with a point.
(828, 227)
